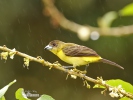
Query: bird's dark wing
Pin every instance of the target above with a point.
(78, 51)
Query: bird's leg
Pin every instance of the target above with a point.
(79, 71)
(74, 69)
(85, 71)
(86, 67)
(67, 67)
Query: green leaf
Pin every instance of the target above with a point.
(125, 98)
(127, 10)
(20, 95)
(3, 98)
(125, 85)
(115, 83)
(45, 97)
(4, 89)
(98, 86)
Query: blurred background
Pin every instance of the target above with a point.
(24, 27)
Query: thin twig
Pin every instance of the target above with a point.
(59, 67)
(58, 18)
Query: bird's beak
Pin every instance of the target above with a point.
(48, 47)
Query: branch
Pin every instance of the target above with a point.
(84, 32)
(56, 65)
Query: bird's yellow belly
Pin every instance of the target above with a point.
(77, 61)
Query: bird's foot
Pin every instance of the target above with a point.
(84, 72)
(79, 71)
(75, 70)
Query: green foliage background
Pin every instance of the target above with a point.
(24, 27)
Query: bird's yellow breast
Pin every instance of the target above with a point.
(77, 61)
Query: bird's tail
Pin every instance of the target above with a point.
(111, 63)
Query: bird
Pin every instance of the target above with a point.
(76, 55)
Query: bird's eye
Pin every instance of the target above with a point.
(54, 44)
